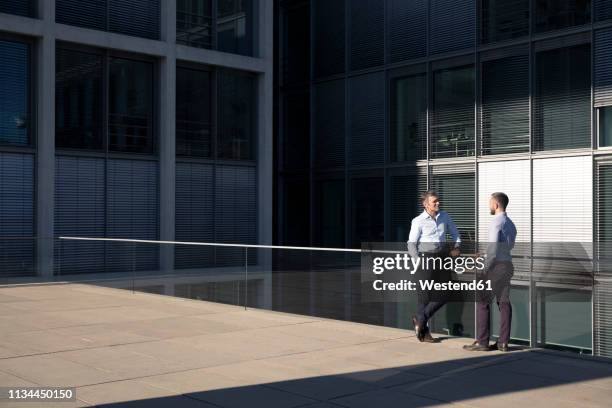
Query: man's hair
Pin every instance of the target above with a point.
(427, 194)
(502, 199)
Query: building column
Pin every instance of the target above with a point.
(167, 136)
(44, 62)
(265, 158)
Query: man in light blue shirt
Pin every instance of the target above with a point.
(502, 235)
(428, 237)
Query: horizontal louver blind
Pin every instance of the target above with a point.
(19, 7)
(602, 316)
(235, 211)
(367, 124)
(79, 211)
(405, 191)
(511, 178)
(408, 118)
(82, 13)
(139, 18)
(132, 212)
(16, 214)
(329, 47)
(603, 10)
(457, 190)
(14, 93)
(329, 124)
(603, 67)
(563, 98)
(452, 25)
(367, 33)
(194, 214)
(505, 105)
(562, 217)
(367, 210)
(407, 29)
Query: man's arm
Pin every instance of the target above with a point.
(455, 236)
(413, 238)
(494, 230)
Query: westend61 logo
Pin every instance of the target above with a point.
(428, 265)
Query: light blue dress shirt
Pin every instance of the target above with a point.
(502, 235)
(428, 234)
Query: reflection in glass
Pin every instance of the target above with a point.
(409, 118)
(14, 93)
(453, 117)
(504, 19)
(193, 127)
(235, 26)
(557, 14)
(78, 100)
(130, 122)
(193, 23)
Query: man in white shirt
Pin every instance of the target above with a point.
(427, 238)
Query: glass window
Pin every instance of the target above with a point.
(563, 98)
(19, 7)
(409, 119)
(193, 105)
(331, 213)
(130, 121)
(235, 115)
(193, 23)
(504, 19)
(15, 93)
(605, 126)
(78, 100)
(453, 118)
(557, 14)
(235, 26)
(505, 105)
(368, 223)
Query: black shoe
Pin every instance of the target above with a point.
(428, 339)
(418, 330)
(503, 347)
(475, 346)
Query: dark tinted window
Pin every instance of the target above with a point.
(14, 93)
(409, 118)
(367, 212)
(563, 98)
(19, 7)
(130, 120)
(193, 106)
(235, 26)
(78, 100)
(194, 23)
(452, 130)
(235, 115)
(331, 213)
(504, 19)
(557, 14)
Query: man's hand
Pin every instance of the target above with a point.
(454, 252)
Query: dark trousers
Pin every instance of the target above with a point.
(499, 274)
(429, 303)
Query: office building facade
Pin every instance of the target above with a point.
(467, 97)
(142, 119)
